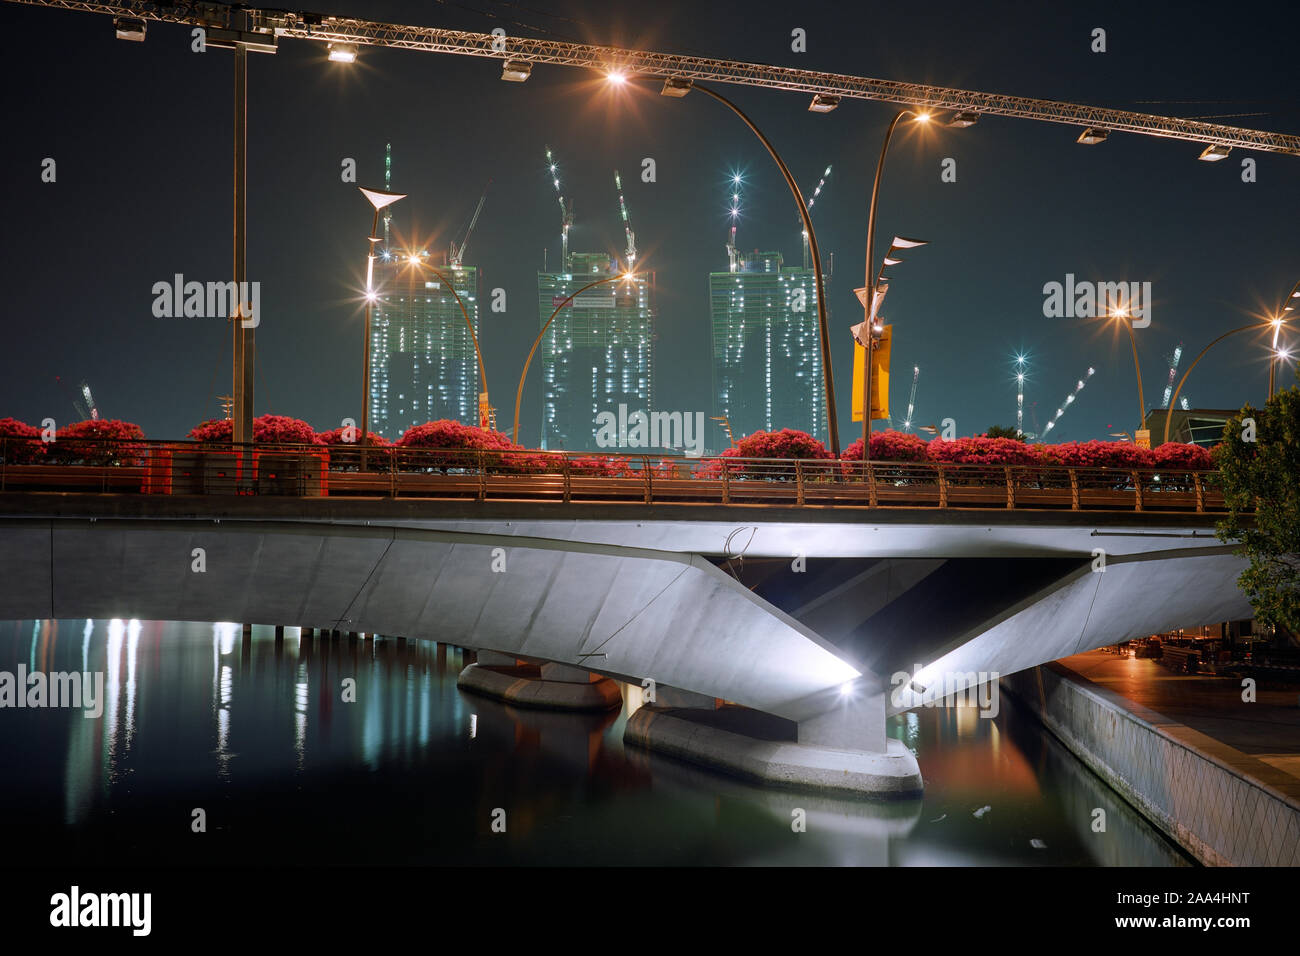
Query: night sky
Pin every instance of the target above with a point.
(142, 138)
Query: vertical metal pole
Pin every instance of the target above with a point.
(244, 354)
(365, 347)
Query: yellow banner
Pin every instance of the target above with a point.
(879, 377)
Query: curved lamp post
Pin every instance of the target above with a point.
(870, 291)
(676, 87)
(415, 260)
(1277, 327)
(519, 392)
(1173, 401)
(1123, 316)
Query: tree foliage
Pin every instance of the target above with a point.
(1264, 474)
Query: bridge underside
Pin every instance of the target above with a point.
(760, 633)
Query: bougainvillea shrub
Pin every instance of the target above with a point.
(20, 443)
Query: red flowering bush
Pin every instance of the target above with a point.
(788, 443)
(335, 436)
(890, 445)
(982, 450)
(98, 442)
(1099, 454)
(267, 429)
(1176, 455)
(20, 443)
(460, 443)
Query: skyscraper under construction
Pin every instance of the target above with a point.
(422, 361)
(423, 365)
(599, 350)
(767, 364)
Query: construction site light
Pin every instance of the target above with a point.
(962, 120)
(676, 86)
(343, 52)
(1213, 153)
(823, 103)
(1092, 136)
(129, 28)
(516, 71)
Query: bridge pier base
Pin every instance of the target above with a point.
(843, 750)
(548, 687)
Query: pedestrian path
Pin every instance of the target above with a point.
(1267, 729)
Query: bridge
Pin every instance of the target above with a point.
(798, 589)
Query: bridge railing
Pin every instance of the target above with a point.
(194, 468)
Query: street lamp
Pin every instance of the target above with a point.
(1120, 314)
(869, 304)
(519, 392)
(679, 87)
(1274, 323)
(377, 198)
(1277, 328)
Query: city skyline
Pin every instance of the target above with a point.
(1028, 207)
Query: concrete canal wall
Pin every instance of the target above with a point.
(1224, 807)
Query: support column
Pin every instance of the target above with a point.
(855, 722)
(567, 674)
(496, 659)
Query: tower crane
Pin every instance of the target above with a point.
(1173, 370)
(733, 257)
(457, 253)
(630, 252)
(566, 209)
(812, 200)
(911, 399)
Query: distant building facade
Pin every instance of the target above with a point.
(598, 352)
(423, 366)
(767, 360)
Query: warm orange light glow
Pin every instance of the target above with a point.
(923, 117)
(617, 77)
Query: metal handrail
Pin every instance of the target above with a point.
(108, 466)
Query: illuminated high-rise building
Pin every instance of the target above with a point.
(767, 361)
(599, 351)
(422, 361)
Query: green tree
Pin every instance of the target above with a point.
(1259, 461)
(1003, 431)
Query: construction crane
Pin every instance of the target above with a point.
(566, 209)
(1173, 371)
(262, 29)
(733, 257)
(456, 253)
(812, 200)
(911, 399)
(1069, 400)
(630, 252)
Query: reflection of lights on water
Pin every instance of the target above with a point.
(300, 697)
(132, 644)
(473, 726)
(85, 645)
(227, 632)
(113, 685)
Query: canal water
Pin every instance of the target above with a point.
(259, 739)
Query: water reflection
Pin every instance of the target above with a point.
(259, 732)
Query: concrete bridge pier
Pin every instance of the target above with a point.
(839, 747)
(550, 686)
